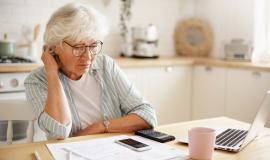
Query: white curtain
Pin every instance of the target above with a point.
(261, 50)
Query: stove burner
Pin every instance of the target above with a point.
(5, 59)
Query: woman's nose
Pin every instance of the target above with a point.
(88, 54)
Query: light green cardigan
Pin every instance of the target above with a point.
(118, 97)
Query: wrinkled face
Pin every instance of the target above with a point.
(74, 65)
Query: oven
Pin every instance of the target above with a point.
(12, 90)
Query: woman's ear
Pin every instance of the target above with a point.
(58, 49)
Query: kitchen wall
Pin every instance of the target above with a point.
(228, 18)
(16, 15)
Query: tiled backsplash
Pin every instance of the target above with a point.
(18, 14)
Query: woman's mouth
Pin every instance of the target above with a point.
(84, 66)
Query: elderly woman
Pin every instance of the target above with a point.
(80, 91)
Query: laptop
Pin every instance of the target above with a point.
(234, 139)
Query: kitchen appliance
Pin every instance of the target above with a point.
(12, 89)
(7, 47)
(238, 49)
(6, 59)
(145, 42)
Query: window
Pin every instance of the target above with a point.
(261, 51)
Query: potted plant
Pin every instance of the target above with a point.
(125, 16)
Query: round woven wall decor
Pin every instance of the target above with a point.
(193, 37)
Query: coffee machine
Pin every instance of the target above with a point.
(145, 42)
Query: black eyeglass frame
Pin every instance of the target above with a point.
(91, 46)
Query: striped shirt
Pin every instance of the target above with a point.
(118, 97)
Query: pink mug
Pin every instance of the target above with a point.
(201, 143)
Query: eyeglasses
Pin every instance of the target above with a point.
(78, 50)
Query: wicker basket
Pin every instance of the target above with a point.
(193, 37)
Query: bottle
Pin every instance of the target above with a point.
(152, 33)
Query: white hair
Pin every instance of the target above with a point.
(75, 22)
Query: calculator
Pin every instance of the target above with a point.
(155, 135)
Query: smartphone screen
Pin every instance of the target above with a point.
(133, 144)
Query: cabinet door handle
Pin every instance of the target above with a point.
(168, 68)
(2, 85)
(256, 74)
(208, 68)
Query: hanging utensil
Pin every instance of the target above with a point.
(36, 32)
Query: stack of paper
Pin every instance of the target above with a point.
(107, 149)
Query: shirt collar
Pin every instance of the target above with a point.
(95, 67)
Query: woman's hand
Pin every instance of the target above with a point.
(49, 61)
(128, 123)
(94, 128)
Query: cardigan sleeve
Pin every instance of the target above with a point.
(130, 99)
(36, 93)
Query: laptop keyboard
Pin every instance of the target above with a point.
(230, 137)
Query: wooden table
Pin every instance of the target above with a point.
(259, 149)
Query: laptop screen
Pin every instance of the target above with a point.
(259, 121)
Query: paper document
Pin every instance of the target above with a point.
(107, 149)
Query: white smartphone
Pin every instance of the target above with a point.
(133, 144)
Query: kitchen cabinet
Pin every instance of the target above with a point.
(244, 92)
(232, 92)
(167, 88)
(184, 92)
(134, 76)
(208, 91)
